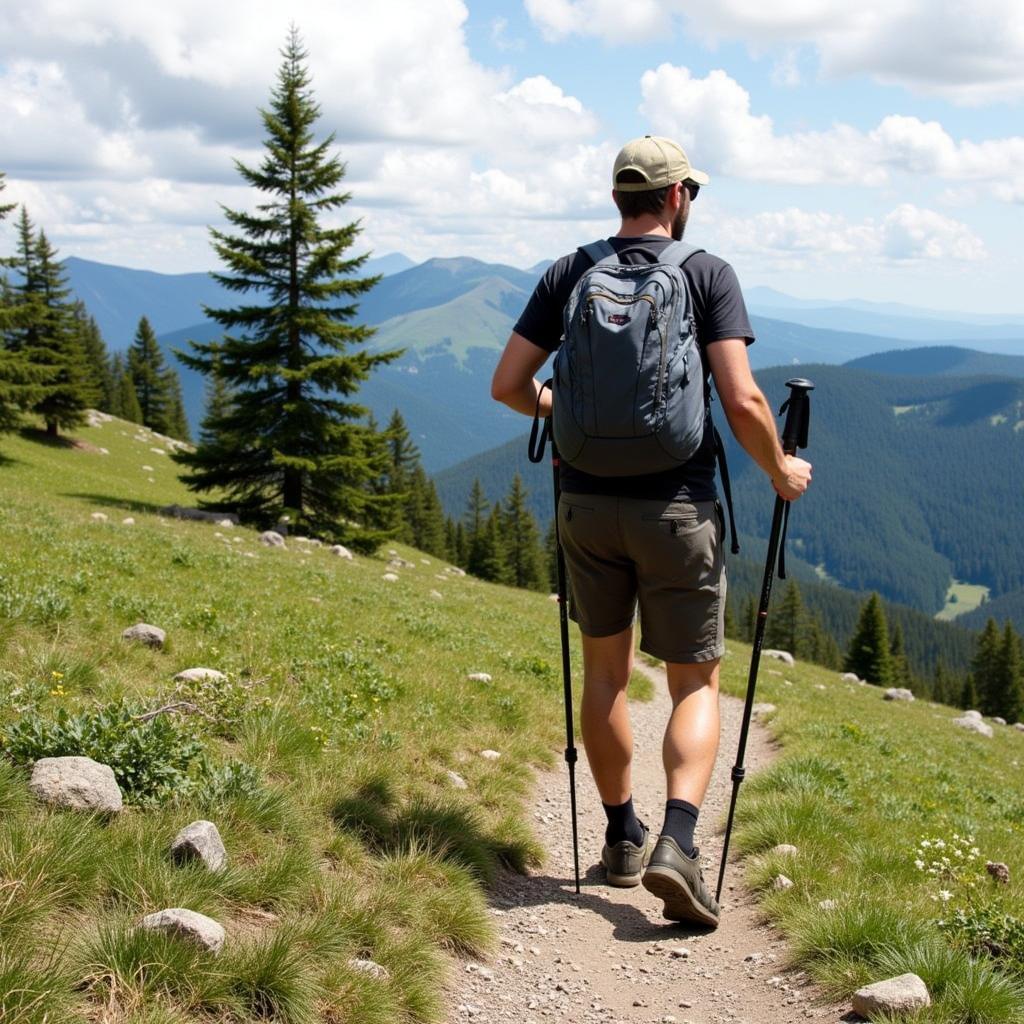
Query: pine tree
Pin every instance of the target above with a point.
(475, 527)
(748, 619)
(177, 421)
(868, 654)
(429, 532)
(551, 555)
(1011, 669)
(729, 622)
(16, 375)
(488, 556)
(294, 441)
(945, 689)
(785, 627)
(47, 336)
(524, 555)
(901, 675)
(124, 404)
(97, 360)
(985, 666)
(149, 372)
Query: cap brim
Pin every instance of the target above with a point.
(699, 176)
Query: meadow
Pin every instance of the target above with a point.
(343, 762)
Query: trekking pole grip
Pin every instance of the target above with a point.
(798, 415)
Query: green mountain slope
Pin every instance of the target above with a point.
(940, 360)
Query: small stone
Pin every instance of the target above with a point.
(144, 633)
(898, 693)
(187, 924)
(272, 539)
(390, 577)
(764, 709)
(1019, 726)
(976, 715)
(158, 451)
(374, 970)
(974, 725)
(850, 677)
(78, 783)
(827, 904)
(998, 720)
(226, 524)
(457, 780)
(894, 996)
(490, 755)
(784, 656)
(147, 469)
(99, 517)
(999, 871)
(781, 883)
(785, 850)
(679, 953)
(341, 552)
(200, 841)
(200, 675)
(479, 677)
(128, 521)
(437, 595)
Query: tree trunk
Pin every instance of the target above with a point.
(51, 428)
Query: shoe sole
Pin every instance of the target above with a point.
(622, 881)
(680, 902)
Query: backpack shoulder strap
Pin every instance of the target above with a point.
(600, 250)
(678, 253)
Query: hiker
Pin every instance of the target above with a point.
(652, 538)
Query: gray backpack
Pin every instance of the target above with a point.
(628, 385)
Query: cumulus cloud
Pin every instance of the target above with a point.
(970, 54)
(795, 237)
(713, 115)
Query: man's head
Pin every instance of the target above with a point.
(652, 177)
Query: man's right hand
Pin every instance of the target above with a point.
(794, 481)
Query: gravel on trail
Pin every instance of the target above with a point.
(607, 955)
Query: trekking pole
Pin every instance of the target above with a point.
(536, 454)
(794, 436)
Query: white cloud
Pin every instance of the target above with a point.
(794, 238)
(713, 116)
(968, 53)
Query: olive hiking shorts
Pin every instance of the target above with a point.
(666, 555)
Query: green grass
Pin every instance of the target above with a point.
(962, 598)
(860, 782)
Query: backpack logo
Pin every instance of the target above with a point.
(620, 319)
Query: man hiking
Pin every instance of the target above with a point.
(653, 538)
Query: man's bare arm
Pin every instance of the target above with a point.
(751, 420)
(514, 381)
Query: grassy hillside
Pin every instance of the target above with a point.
(326, 761)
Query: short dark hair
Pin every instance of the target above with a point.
(636, 204)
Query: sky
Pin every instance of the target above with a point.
(871, 150)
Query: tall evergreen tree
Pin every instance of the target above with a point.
(786, 624)
(124, 403)
(16, 376)
(551, 555)
(868, 654)
(522, 540)
(150, 378)
(97, 359)
(294, 440)
(985, 666)
(901, 675)
(177, 421)
(1010, 668)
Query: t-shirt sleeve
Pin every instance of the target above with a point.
(725, 312)
(541, 321)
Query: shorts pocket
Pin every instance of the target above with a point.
(570, 510)
(675, 522)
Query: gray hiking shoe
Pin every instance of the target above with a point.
(677, 879)
(624, 862)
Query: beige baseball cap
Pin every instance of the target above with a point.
(660, 161)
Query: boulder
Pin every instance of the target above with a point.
(1019, 726)
(272, 539)
(850, 677)
(77, 783)
(898, 693)
(187, 924)
(784, 656)
(144, 633)
(479, 677)
(974, 725)
(342, 552)
(999, 721)
(764, 709)
(785, 850)
(200, 841)
(200, 675)
(894, 996)
(976, 715)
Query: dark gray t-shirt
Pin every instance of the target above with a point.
(719, 312)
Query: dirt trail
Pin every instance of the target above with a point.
(608, 955)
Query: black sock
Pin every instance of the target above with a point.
(680, 821)
(623, 824)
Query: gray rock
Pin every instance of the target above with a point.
(144, 633)
(454, 571)
(976, 715)
(437, 595)
(200, 675)
(227, 524)
(78, 783)
(272, 539)
(479, 677)
(374, 970)
(490, 755)
(457, 780)
(200, 841)
(390, 577)
(974, 725)
(1019, 726)
(999, 721)
(828, 904)
(780, 883)
(341, 551)
(784, 656)
(187, 924)
(904, 994)
(898, 693)
(99, 517)
(763, 709)
(785, 850)
(128, 521)
(850, 677)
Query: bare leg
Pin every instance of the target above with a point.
(604, 714)
(691, 737)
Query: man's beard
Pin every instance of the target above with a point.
(679, 225)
